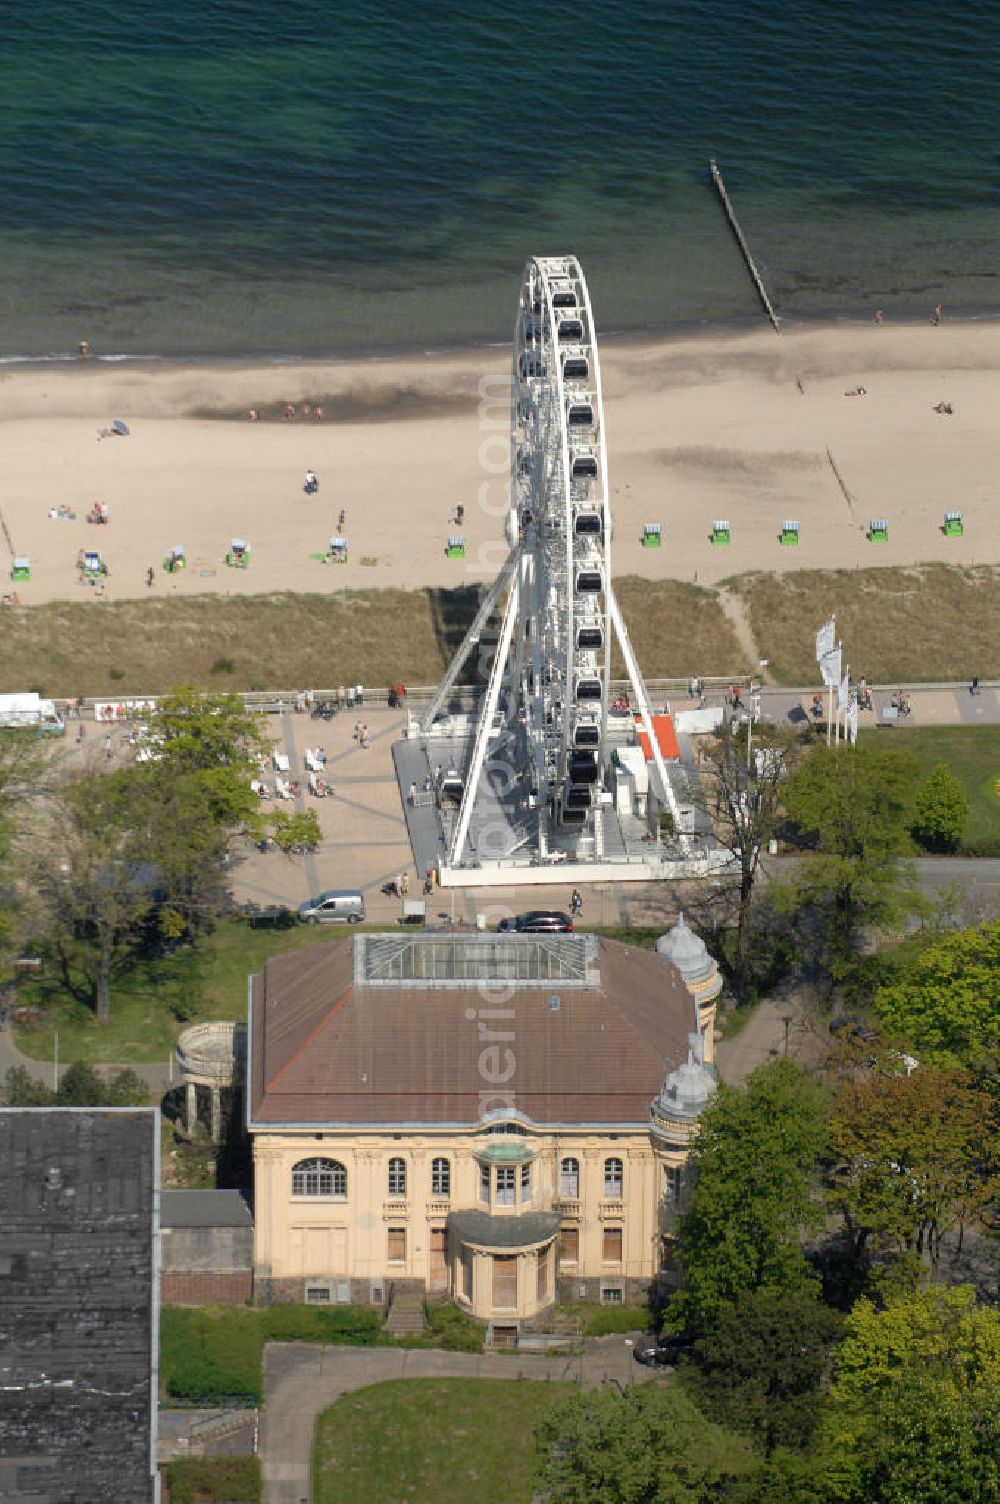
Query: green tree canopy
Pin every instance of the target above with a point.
(646, 1446)
(852, 808)
(754, 1165)
(760, 1366)
(945, 1001)
(914, 1156)
(912, 1411)
(940, 810)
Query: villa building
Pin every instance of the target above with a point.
(501, 1119)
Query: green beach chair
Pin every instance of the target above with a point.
(878, 532)
(651, 535)
(20, 571)
(238, 556)
(953, 525)
(176, 560)
(455, 547)
(789, 533)
(721, 532)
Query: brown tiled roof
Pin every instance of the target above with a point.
(324, 1051)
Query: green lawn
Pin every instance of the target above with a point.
(209, 1354)
(432, 1441)
(156, 1000)
(972, 753)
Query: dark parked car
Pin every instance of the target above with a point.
(850, 1026)
(538, 922)
(656, 1354)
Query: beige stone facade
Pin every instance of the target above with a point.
(503, 1215)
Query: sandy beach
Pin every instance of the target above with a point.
(740, 427)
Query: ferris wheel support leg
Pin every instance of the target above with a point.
(487, 713)
(470, 639)
(638, 685)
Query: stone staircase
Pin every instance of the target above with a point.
(406, 1314)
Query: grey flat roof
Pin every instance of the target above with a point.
(503, 1232)
(203, 1209)
(77, 1303)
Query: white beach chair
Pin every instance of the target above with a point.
(281, 763)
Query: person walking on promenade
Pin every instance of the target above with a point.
(576, 903)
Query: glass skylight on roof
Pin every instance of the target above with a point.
(427, 960)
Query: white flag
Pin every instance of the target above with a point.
(825, 639)
(852, 721)
(844, 693)
(829, 667)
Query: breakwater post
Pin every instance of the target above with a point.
(734, 224)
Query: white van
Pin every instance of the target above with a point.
(335, 906)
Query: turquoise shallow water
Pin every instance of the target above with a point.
(297, 179)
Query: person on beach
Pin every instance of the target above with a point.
(306, 409)
(149, 577)
(253, 415)
(878, 315)
(318, 414)
(341, 519)
(84, 348)
(312, 484)
(937, 314)
(289, 410)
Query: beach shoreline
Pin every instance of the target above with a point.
(751, 427)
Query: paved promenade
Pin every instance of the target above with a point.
(301, 1379)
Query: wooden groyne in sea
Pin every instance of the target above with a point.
(741, 241)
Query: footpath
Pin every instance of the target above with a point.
(301, 1380)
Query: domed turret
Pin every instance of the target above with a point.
(684, 1095)
(682, 948)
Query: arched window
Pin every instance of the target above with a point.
(319, 1177)
(569, 1178)
(440, 1177)
(614, 1172)
(397, 1177)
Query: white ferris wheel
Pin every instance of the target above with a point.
(536, 776)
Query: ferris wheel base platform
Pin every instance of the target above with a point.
(510, 874)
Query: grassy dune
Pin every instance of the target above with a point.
(287, 641)
(924, 623)
(929, 622)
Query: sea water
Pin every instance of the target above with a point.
(293, 179)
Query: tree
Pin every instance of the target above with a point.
(91, 874)
(81, 1086)
(646, 1446)
(915, 1382)
(760, 1366)
(940, 810)
(21, 769)
(22, 1089)
(298, 832)
(852, 809)
(745, 804)
(914, 1155)
(944, 1001)
(755, 1165)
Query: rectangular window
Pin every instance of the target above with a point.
(612, 1295)
(484, 1183)
(672, 1184)
(569, 1245)
(525, 1182)
(613, 1178)
(611, 1251)
(504, 1282)
(441, 1178)
(397, 1245)
(317, 1295)
(506, 1185)
(569, 1179)
(544, 1273)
